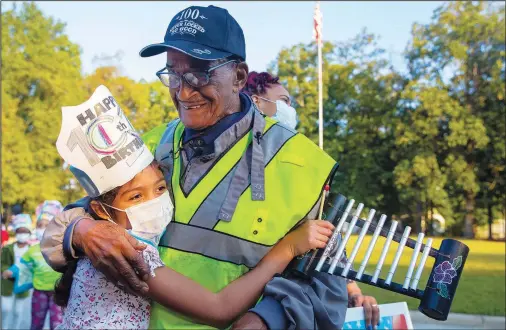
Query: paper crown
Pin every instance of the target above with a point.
(48, 210)
(100, 144)
(22, 220)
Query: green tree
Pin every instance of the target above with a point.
(463, 51)
(40, 74)
(421, 138)
(147, 105)
(359, 103)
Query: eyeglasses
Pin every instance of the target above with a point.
(194, 79)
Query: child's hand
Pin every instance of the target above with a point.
(7, 274)
(312, 234)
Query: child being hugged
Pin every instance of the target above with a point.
(126, 187)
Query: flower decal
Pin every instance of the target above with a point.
(444, 274)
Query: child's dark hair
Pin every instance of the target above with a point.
(258, 83)
(64, 284)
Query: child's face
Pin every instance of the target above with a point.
(145, 186)
(42, 223)
(22, 230)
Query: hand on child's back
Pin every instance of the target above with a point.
(114, 252)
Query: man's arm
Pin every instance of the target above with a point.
(109, 247)
(51, 244)
(291, 302)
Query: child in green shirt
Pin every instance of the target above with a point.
(44, 277)
(15, 305)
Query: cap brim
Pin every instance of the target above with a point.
(189, 48)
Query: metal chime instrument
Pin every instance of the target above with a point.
(437, 296)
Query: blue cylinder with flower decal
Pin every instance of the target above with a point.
(444, 279)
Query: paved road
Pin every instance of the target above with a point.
(458, 321)
(423, 326)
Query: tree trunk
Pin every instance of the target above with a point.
(419, 217)
(431, 219)
(469, 218)
(490, 220)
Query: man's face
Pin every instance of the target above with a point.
(200, 108)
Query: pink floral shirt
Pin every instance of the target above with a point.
(97, 303)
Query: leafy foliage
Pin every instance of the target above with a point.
(409, 145)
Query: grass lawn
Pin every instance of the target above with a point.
(482, 285)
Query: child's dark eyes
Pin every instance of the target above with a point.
(135, 197)
(162, 188)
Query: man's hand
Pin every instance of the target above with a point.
(370, 306)
(7, 274)
(250, 321)
(114, 252)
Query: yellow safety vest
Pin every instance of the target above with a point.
(214, 252)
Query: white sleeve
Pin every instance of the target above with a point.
(152, 258)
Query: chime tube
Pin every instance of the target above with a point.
(398, 254)
(336, 207)
(359, 242)
(371, 247)
(342, 246)
(333, 239)
(412, 263)
(423, 260)
(384, 252)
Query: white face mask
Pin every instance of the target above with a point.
(39, 232)
(150, 219)
(285, 114)
(23, 238)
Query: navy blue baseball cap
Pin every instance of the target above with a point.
(206, 33)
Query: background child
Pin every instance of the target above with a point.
(44, 277)
(15, 306)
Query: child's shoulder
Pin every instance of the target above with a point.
(152, 258)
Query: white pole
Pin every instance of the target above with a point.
(320, 94)
(319, 42)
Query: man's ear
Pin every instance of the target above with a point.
(241, 74)
(99, 210)
(255, 99)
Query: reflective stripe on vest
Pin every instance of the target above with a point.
(214, 244)
(214, 253)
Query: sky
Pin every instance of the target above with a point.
(107, 28)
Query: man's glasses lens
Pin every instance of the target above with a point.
(195, 79)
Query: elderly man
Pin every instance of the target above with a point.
(239, 182)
